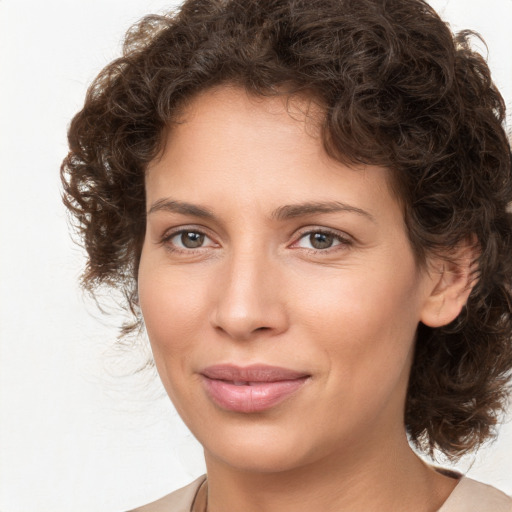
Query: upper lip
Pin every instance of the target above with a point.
(252, 373)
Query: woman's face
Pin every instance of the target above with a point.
(278, 287)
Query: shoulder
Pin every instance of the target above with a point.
(472, 496)
(180, 500)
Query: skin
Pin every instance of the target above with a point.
(257, 291)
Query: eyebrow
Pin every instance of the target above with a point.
(170, 205)
(299, 210)
(284, 212)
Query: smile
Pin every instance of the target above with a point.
(250, 389)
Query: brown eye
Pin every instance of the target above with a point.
(321, 240)
(191, 239)
(185, 241)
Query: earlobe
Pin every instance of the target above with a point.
(452, 280)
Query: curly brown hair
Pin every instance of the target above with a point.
(398, 90)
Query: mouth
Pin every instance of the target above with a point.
(250, 389)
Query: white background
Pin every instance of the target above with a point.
(75, 434)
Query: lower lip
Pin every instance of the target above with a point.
(251, 398)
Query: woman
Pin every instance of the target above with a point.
(305, 203)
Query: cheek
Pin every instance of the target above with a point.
(364, 323)
(172, 304)
(170, 317)
(360, 301)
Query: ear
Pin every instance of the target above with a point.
(452, 279)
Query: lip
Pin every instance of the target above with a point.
(253, 388)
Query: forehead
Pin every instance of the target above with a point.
(233, 114)
(260, 149)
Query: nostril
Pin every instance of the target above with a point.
(244, 317)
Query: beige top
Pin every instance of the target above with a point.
(468, 496)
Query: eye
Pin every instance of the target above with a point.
(320, 240)
(187, 239)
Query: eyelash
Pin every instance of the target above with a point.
(166, 240)
(343, 241)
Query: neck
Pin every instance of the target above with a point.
(388, 477)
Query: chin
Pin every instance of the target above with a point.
(259, 450)
(257, 459)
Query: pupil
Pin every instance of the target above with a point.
(191, 240)
(321, 240)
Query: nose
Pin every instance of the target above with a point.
(249, 298)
